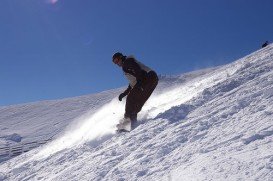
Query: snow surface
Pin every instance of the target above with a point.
(213, 124)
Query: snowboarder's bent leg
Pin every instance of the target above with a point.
(149, 85)
(152, 81)
(132, 101)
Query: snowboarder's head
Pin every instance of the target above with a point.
(117, 59)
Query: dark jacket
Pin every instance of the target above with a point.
(135, 72)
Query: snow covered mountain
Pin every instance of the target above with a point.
(213, 124)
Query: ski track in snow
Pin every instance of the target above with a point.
(214, 124)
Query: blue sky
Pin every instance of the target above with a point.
(53, 49)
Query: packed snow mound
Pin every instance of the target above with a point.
(213, 124)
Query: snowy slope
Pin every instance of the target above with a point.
(214, 124)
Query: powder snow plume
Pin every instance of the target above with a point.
(89, 128)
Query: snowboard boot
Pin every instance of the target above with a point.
(124, 125)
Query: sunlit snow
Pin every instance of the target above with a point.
(212, 124)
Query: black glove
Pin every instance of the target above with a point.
(121, 96)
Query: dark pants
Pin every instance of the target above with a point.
(137, 97)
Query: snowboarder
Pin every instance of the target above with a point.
(142, 82)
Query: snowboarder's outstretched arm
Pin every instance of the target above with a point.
(129, 88)
(125, 93)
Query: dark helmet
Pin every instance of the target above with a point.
(117, 55)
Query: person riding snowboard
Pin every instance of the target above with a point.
(142, 82)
